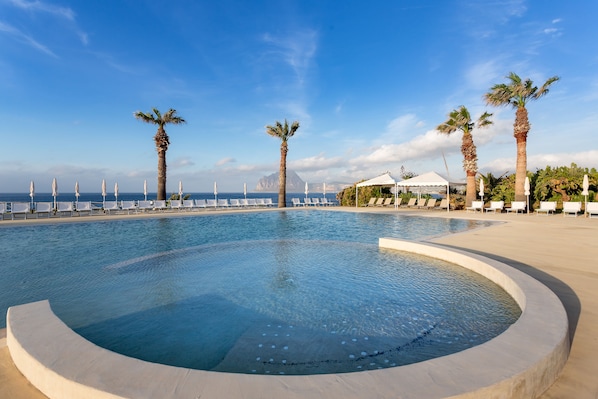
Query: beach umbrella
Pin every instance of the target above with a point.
(116, 191)
(586, 188)
(54, 190)
(482, 188)
(104, 192)
(145, 189)
(324, 189)
(180, 190)
(245, 190)
(77, 192)
(306, 189)
(526, 188)
(31, 192)
(215, 191)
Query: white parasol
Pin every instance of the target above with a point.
(77, 193)
(116, 191)
(215, 191)
(104, 192)
(586, 192)
(324, 189)
(306, 190)
(54, 190)
(482, 188)
(180, 190)
(31, 192)
(145, 189)
(245, 190)
(526, 188)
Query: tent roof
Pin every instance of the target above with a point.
(430, 179)
(383, 180)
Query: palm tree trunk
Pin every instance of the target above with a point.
(161, 195)
(521, 128)
(282, 176)
(470, 190)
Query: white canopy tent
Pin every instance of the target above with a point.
(385, 180)
(430, 179)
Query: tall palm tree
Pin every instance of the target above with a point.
(517, 93)
(283, 132)
(459, 119)
(162, 141)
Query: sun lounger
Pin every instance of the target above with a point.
(592, 209)
(387, 201)
(269, 202)
(421, 203)
(296, 202)
(251, 202)
(411, 203)
(160, 205)
(111, 206)
(211, 203)
(475, 206)
(315, 201)
(176, 204)
(260, 202)
(571, 208)
(546, 207)
(64, 207)
(443, 204)
(398, 202)
(495, 206)
(128, 206)
(379, 201)
(223, 203)
(84, 206)
(18, 208)
(200, 203)
(243, 202)
(145, 205)
(43, 207)
(430, 204)
(187, 205)
(234, 203)
(516, 206)
(372, 202)
(3, 209)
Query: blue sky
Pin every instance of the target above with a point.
(368, 82)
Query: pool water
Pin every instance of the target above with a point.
(297, 292)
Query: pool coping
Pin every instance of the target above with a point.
(522, 362)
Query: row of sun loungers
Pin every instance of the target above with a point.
(422, 203)
(570, 208)
(64, 208)
(311, 202)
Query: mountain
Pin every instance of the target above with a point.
(270, 183)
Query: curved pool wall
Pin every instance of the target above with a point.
(520, 363)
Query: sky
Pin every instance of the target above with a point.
(368, 82)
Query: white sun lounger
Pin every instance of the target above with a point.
(18, 208)
(64, 207)
(516, 206)
(251, 202)
(211, 203)
(160, 205)
(268, 202)
(128, 206)
(110, 206)
(43, 207)
(234, 202)
(187, 205)
(296, 202)
(84, 206)
(475, 206)
(411, 203)
(546, 207)
(592, 209)
(444, 203)
(176, 204)
(145, 205)
(3, 210)
(223, 203)
(495, 206)
(571, 208)
(200, 203)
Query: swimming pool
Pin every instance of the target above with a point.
(212, 289)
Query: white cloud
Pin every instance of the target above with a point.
(23, 38)
(226, 161)
(63, 12)
(297, 49)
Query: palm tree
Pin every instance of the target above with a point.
(459, 119)
(283, 132)
(162, 141)
(517, 93)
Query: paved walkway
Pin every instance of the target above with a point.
(560, 252)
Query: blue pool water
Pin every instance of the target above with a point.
(295, 292)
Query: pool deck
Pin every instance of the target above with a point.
(558, 251)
